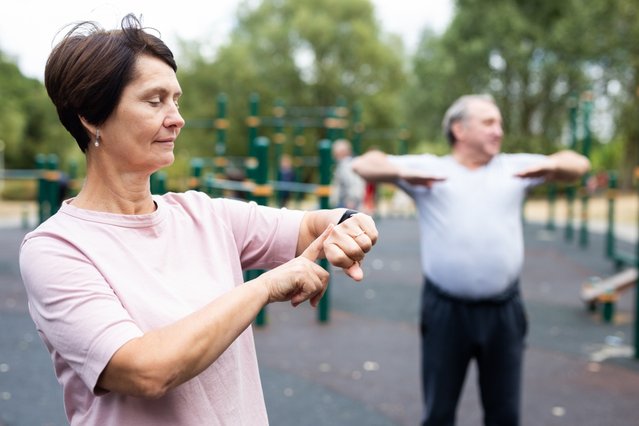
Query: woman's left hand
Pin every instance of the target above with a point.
(349, 242)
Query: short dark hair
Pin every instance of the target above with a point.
(89, 68)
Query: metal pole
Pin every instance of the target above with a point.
(324, 180)
(610, 231)
(358, 129)
(260, 196)
(221, 125)
(570, 189)
(43, 208)
(583, 234)
(552, 195)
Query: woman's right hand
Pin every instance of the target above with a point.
(299, 279)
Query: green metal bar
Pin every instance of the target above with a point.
(158, 182)
(279, 138)
(583, 229)
(298, 153)
(610, 231)
(53, 184)
(43, 208)
(357, 130)
(253, 122)
(403, 141)
(261, 179)
(341, 113)
(552, 196)
(221, 126)
(587, 109)
(571, 188)
(608, 308)
(197, 166)
(569, 231)
(324, 179)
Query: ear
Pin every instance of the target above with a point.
(90, 127)
(457, 129)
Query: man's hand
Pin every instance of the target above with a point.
(415, 177)
(563, 165)
(546, 169)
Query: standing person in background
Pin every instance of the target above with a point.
(285, 173)
(469, 210)
(347, 189)
(140, 298)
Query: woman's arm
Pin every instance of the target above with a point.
(162, 359)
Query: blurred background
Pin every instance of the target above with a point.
(558, 70)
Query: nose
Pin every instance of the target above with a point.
(174, 118)
(498, 130)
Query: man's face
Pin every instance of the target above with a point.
(481, 131)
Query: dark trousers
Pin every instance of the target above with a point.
(454, 331)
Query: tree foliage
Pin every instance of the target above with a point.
(304, 53)
(28, 121)
(536, 59)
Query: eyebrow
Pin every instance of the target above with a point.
(161, 90)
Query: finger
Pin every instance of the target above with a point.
(314, 285)
(313, 295)
(315, 248)
(355, 271)
(316, 299)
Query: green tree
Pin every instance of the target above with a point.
(514, 52)
(305, 53)
(535, 57)
(28, 121)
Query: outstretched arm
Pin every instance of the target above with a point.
(374, 166)
(561, 166)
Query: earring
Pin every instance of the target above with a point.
(97, 137)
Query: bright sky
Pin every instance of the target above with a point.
(28, 27)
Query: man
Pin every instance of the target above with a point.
(469, 209)
(347, 187)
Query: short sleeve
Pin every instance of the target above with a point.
(74, 309)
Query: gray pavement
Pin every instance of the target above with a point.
(362, 367)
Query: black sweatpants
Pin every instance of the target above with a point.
(454, 331)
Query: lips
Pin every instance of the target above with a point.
(166, 140)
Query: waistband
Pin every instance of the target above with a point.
(511, 291)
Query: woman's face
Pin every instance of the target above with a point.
(140, 134)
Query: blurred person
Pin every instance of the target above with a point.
(140, 298)
(469, 211)
(285, 173)
(347, 188)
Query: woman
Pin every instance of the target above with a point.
(139, 298)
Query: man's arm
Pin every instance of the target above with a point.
(374, 166)
(562, 166)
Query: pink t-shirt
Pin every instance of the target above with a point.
(97, 280)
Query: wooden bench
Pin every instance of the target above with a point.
(607, 291)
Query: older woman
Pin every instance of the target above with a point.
(140, 299)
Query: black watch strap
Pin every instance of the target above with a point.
(347, 214)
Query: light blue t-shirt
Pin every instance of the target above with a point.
(471, 227)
